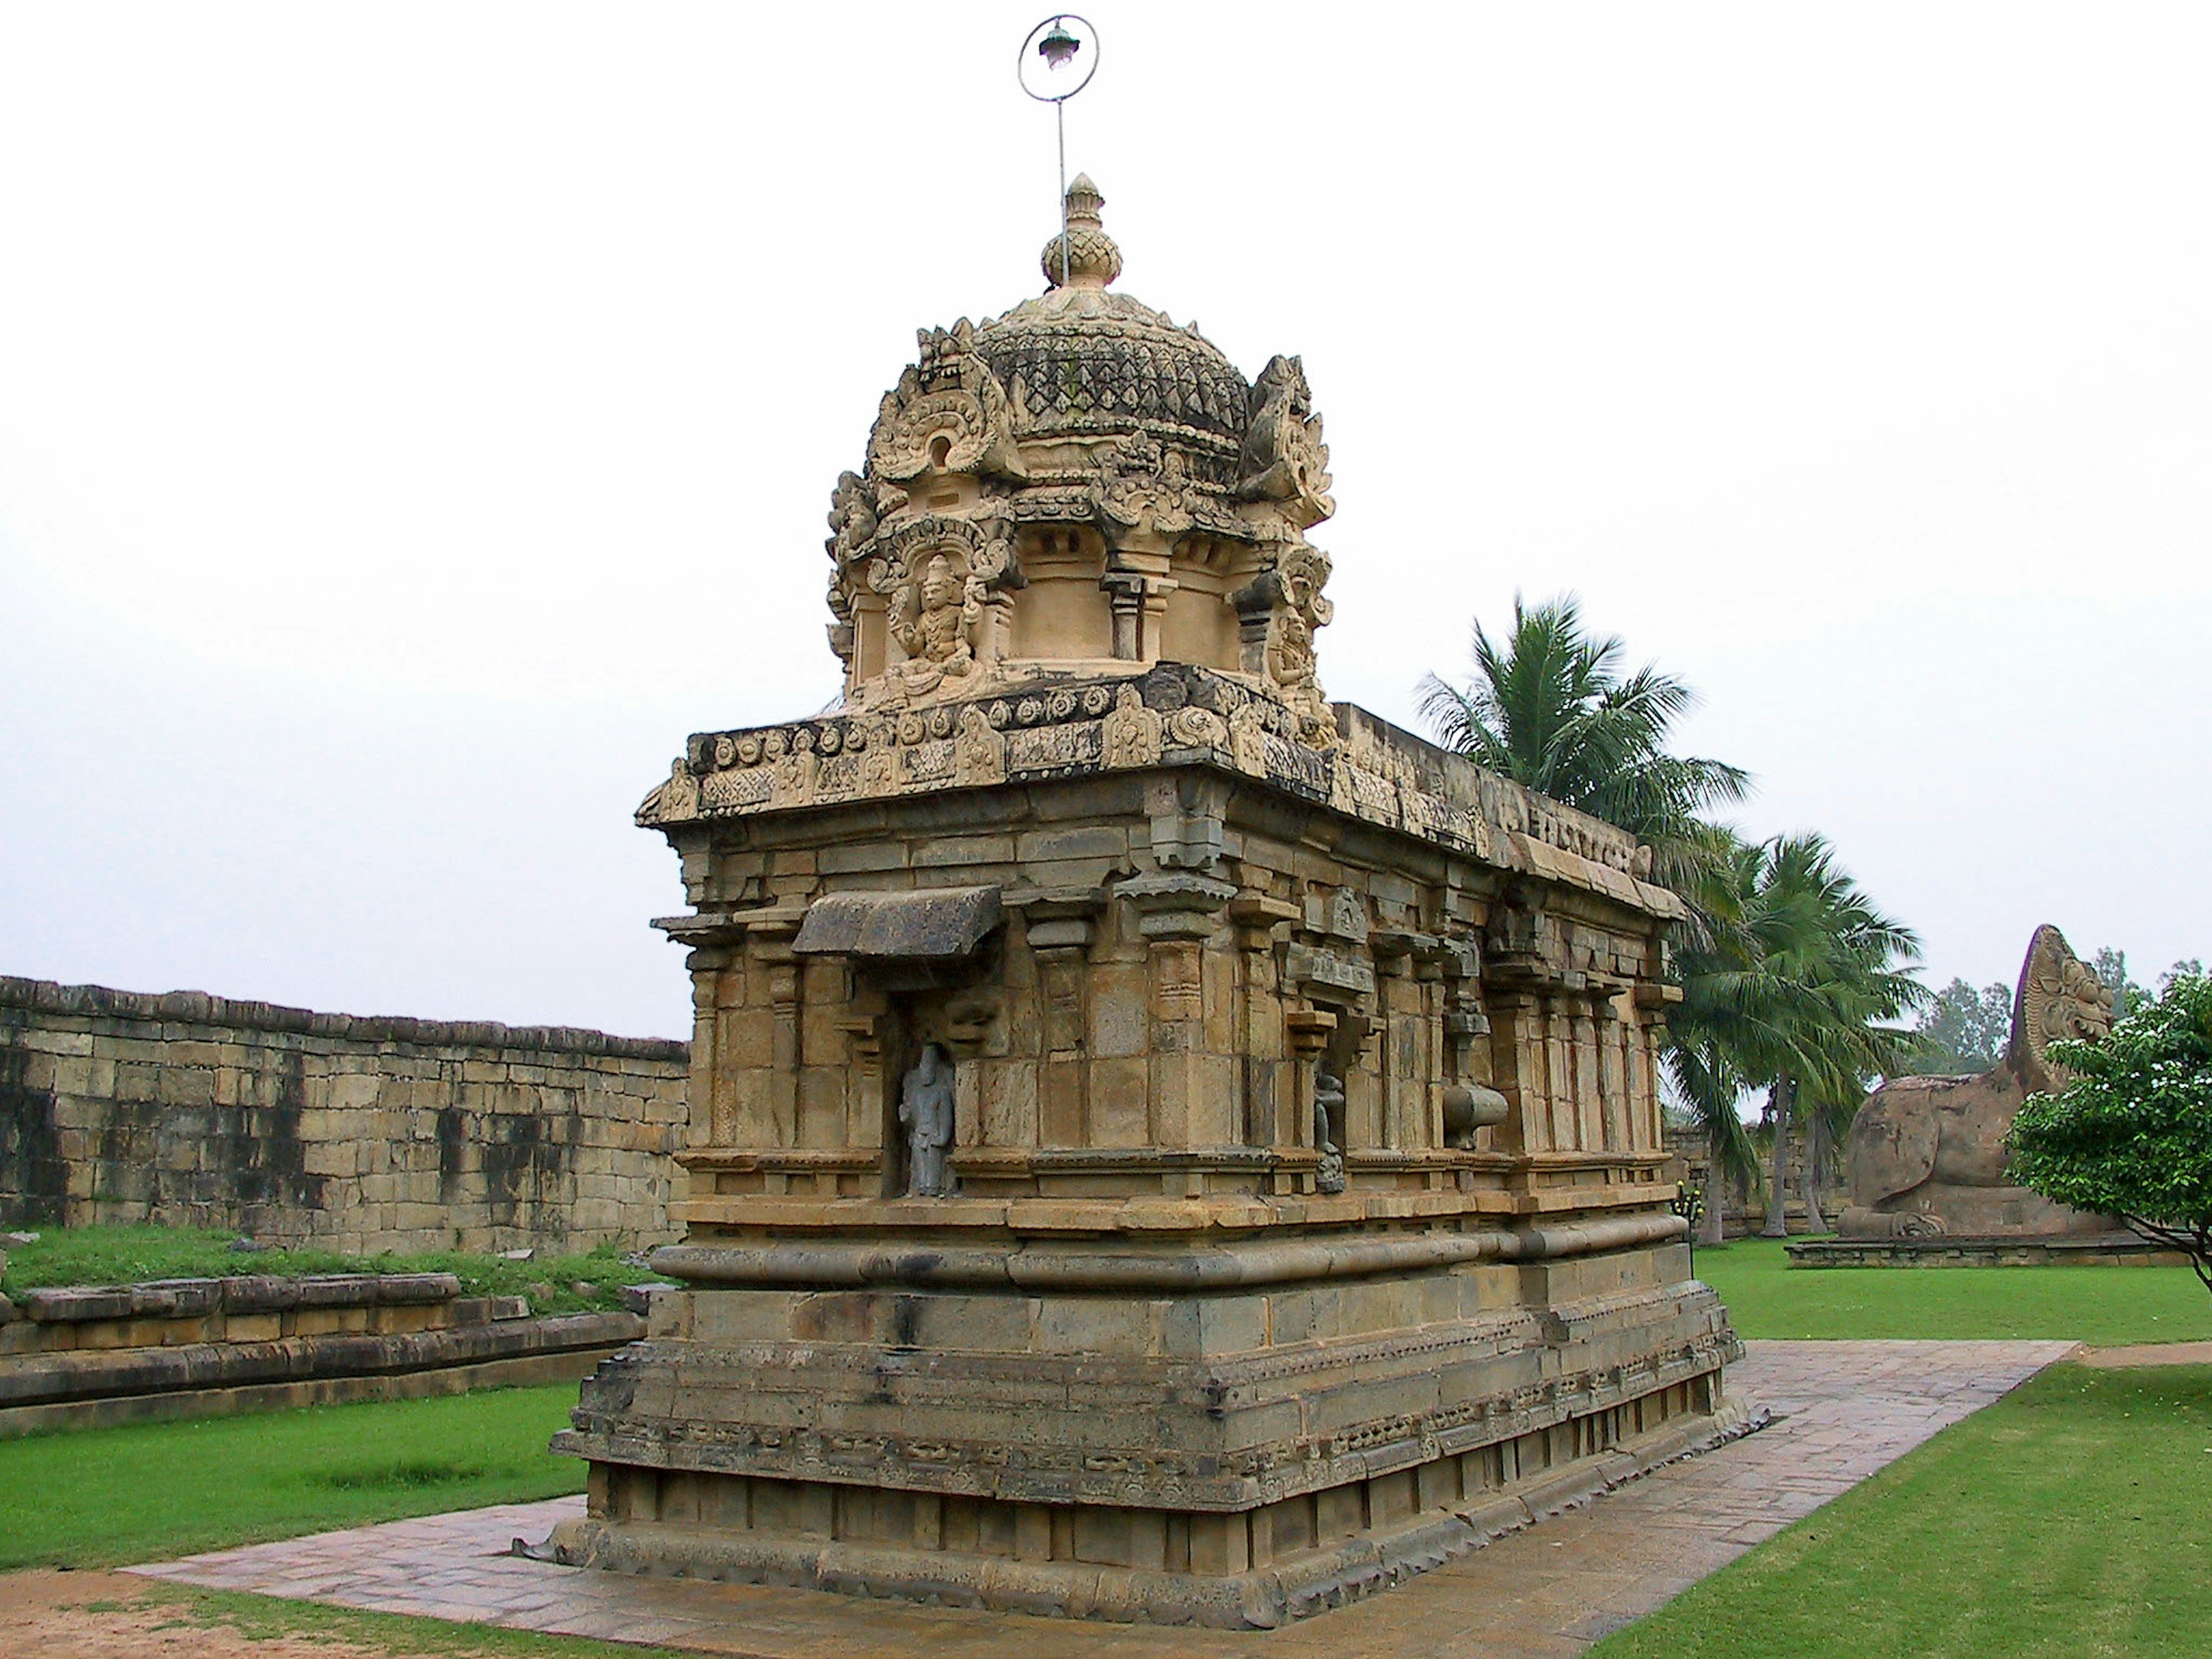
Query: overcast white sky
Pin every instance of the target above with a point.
(415, 418)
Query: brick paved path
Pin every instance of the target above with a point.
(1847, 1408)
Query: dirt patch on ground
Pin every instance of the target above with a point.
(2145, 1354)
(113, 1615)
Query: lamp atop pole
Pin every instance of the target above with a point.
(1056, 61)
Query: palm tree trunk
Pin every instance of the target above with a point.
(1816, 1171)
(1777, 1103)
(1712, 1226)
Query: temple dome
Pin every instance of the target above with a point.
(1080, 361)
(1081, 482)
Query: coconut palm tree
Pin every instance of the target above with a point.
(1547, 707)
(1788, 972)
(1794, 997)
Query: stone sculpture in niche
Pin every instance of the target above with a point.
(1328, 1111)
(1927, 1154)
(936, 609)
(926, 1110)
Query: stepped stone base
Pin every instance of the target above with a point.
(1182, 1468)
(1468, 1500)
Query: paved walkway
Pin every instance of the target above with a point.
(1847, 1409)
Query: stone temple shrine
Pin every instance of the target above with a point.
(1163, 1145)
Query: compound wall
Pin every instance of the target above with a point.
(357, 1134)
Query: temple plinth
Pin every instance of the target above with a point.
(1163, 1145)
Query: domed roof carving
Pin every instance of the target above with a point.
(1081, 480)
(1080, 360)
(1086, 360)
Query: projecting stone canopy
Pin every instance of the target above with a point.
(1081, 481)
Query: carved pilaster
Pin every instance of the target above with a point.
(1061, 939)
(1613, 1074)
(711, 1127)
(1588, 1091)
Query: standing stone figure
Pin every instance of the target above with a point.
(1329, 1105)
(926, 1109)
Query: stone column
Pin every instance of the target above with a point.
(713, 1123)
(783, 990)
(1516, 1047)
(1125, 595)
(1613, 1074)
(1255, 606)
(1564, 1128)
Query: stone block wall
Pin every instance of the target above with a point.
(356, 1134)
(1744, 1212)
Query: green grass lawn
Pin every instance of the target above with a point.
(2068, 1520)
(94, 1498)
(2104, 1306)
(123, 1255)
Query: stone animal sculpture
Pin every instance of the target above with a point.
(1927, 1154)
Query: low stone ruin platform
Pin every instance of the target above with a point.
(82, 1357)
(2121, 1249)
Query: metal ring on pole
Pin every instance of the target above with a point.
(1058, 58)
(1048, 67)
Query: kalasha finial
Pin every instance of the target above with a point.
(1091, 260)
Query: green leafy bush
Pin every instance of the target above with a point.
(2130, 1135)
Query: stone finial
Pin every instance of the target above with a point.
(1093, 259)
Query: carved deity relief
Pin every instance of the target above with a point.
(1144, 486)
(1247, 739)
(853, 523)
(1132, 732)
(1283, 461)
(875, 740)
(675, 801)
(934, 610)
(979, 751)
(925, 1110)
(793, 760)
(1292, 664)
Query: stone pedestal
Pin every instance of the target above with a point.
(1137, 1362)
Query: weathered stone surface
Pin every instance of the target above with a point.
(934, 923)
(362, 1135)
(1926, 1155)
(1272, 1180)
